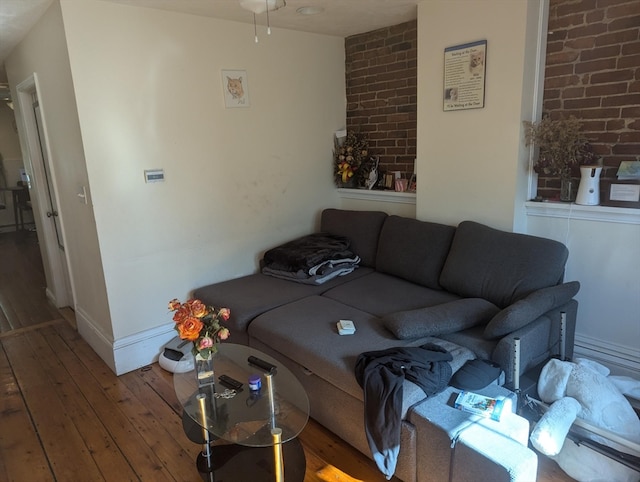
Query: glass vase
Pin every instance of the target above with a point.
(567, 190)
(204, 370)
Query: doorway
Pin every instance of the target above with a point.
(43, 192)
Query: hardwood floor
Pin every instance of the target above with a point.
(64, 416)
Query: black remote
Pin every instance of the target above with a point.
(266, 366)
(230, 382)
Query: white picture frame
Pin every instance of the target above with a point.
(235, 88)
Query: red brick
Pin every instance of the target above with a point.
(568, 8)
(566, 21)
(630, 149)
(554, 47)
(616, 76)
(623, 10)
(629, 61)
(615, 125)
(603, 138)
(558, 70)
(556, 35)
(635, 125)
(563, 81)
(593, 126)
(572, 92)
(587, 31)
(624, 23)
(563, 57)
(582, 103)
(552, 93)
(634, 86)
(606, 89)
(595, 65)
(621, 100)
(581, 43)
(631, 48)
(609, 113)
(552, 104)
(616, 37)
(628, 137)
(594, 16)
(631, 112)
(600, 53)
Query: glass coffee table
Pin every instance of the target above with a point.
(261, 426)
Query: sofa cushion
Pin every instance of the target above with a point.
(361, 227)
(380, 294)
(524, 311)
(413, 250)
(440, 319)
(249, 296)
(499, 266)
(305, 332)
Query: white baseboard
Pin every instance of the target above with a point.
(128, 353)
(621, 360)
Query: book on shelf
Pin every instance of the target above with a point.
(480, 405)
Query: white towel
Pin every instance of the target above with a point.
(551, 430)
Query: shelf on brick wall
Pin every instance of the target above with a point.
(577, 211)
(382, 196)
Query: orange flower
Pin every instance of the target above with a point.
(189, 329)
(182, 314)
(174, 304)
(197, 307)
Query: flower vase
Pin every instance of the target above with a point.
(204, 370)
(566, 189)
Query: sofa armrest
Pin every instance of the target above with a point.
(534, 305)
(539, 340)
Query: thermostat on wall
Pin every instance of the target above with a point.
(154, 175)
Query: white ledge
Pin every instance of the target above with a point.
(374, 195)
(608, 214)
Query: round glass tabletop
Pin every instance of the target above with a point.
(243, 416)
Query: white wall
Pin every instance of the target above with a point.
(149, 93)
(605, 257)
(471, 163)
(44, 52)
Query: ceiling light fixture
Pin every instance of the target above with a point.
(310, 10)
(261, 6)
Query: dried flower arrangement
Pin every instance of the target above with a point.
(349, 157)
(562, 145)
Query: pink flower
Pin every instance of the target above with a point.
(225, 313)
(205, 342)
(224, 333)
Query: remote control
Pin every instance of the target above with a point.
(230, 382)
(266, 366)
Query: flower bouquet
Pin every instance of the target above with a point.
(348, 158)
(200, 324)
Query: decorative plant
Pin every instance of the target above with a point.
(562, 145)
(200, 324)
(349, 156)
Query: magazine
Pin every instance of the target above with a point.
(480, 405)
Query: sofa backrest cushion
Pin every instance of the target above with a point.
(413, 250)
(499, 266)
(361, 227)
(526, 310)
(441, 319)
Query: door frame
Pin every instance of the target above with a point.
(59, 287)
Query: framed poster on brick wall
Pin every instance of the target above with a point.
(464, 76)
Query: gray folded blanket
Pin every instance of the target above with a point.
(312, 259)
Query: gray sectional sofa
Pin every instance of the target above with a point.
(472, 289)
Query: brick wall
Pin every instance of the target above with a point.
(593, 73)
(381, 80)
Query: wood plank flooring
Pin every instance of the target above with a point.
(64, 416)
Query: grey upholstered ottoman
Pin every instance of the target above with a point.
(456, 446)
